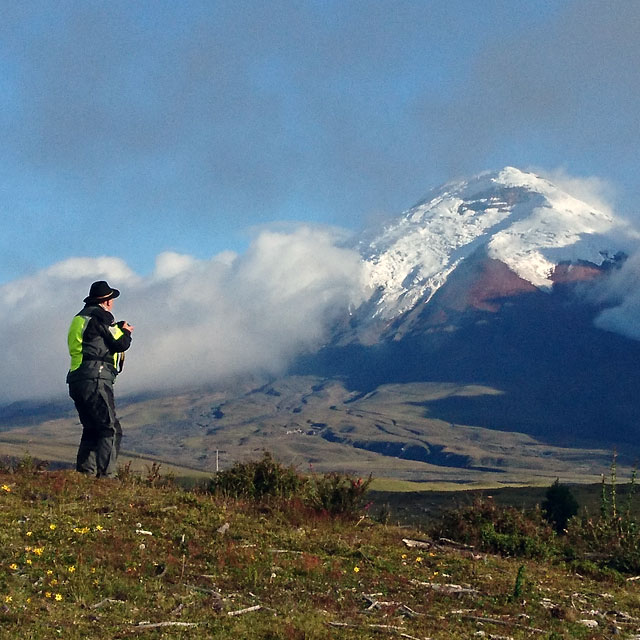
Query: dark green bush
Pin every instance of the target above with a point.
(259, 479)
(606, 545)
(612, 539)
(611, 542)
(596, 571)
(265, 479)
(338, 493)
(497, 529)
(559, 506)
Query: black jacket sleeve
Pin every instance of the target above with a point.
(115, 337)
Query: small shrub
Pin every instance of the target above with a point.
(265, 479)
(383, 514)
(29, 464)
(7, 464)
(612, 542)
(559, 506)
(154, 478)
(611, 539)
(258, 479)
(519, 585)
(596, 571)
(338, 493)
(504, 530)
(125, 473)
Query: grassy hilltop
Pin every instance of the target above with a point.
(139, 557)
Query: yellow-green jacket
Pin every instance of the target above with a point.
(96, 345)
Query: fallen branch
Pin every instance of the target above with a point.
(506, 623)
(100, 604)
(379, 603)
(241, 612)
(391, 628)
(453, 543)
(410, 612)
(155, 625)
(401, 607)
(622, 617)
(212, 592)
(379, 627)
(453, 589)
(417, 544)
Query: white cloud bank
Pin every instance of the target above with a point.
(622, 289)
(195, 321)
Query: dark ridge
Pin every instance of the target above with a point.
(26, 413)
(431, 454)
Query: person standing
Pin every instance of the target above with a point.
(96, 346)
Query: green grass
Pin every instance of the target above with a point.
(81, 558)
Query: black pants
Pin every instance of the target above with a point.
(101, 432)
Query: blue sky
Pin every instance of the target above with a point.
(201, 156)
(134, 128)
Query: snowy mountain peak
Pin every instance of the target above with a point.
(518, 218)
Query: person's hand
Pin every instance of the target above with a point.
(127, 326)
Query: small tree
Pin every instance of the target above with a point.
(559, 506)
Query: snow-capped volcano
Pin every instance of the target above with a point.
(498, 281)
(516, 218)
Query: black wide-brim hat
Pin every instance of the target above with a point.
(101, 292)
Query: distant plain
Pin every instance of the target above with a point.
(317, 424)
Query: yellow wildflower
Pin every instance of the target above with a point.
(71, 569)
(54, 582)
(47, 594)
(356, 569)
(58, 596)
(49, 572)
(419, 559)
(13, 566)
(53, 526)
(6, 487)
(99, 528)
(8, 599)
(29, 533)
(38, 551)
(29, 561)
